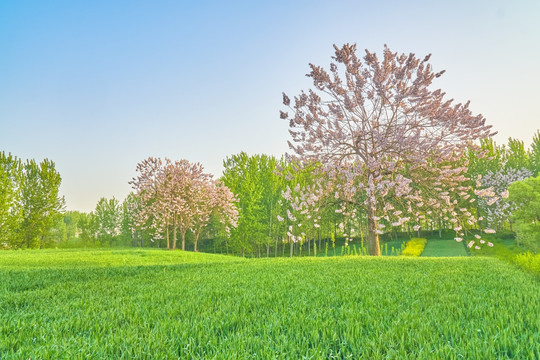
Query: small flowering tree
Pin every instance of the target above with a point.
(212, 198)
(380, 133)
(303, 212)
(181, 195)
(495, 208)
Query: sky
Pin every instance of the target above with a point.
(98, 86)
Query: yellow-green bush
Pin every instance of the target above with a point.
(414, 247)
(529, 262)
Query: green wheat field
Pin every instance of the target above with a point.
(155, 304)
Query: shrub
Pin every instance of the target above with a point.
(414, 247)
(529, 262)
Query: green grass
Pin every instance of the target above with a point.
(444, 247)
(149, 304)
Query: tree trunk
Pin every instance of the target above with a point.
(183, 233)
(196, 241)
(275, 249)
(167, 232)
(174, 228)
(291, 247)
(373, 237)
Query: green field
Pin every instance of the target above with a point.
(148, 304)
(444, 247)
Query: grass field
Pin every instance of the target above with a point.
(444, 247)
(147, 304)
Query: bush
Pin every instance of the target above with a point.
(529, 262)
(414, 247)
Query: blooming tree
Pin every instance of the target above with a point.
(181, 195)
(494, 208)
(380, 133)
(212, 198)
(303, 211)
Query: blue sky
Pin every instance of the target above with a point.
(98, 86)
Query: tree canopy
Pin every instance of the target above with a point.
(381, 133)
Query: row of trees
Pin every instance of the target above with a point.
(30, 205)
(270, 196)
(375, 150)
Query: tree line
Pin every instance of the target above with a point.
(375, 152)
(264, 196)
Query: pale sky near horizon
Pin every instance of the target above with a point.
(99, 86)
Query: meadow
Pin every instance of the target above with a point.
(143, 304)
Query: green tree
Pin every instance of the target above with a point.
(526, 195)
(129, 233)
(73, 230)
(88, 229)
(242, 176)
(41, 203)
(108, 219)
(534, 158)
(10, 209)
(515, 155)
(257, 186)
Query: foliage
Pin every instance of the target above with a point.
(495, 207)
(257, 188)
(127, 304)
(528, 262)
(371, 125)
(30, 204)
(534, 157)
(180, 194)
(414, 247)
(526, 195)
(10, 193)
(108, 218)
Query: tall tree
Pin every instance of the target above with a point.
(108, 217)
(379, 130)
(535, 154)
(41, 203)
(526, 195)
(257, 187)
(10, 201)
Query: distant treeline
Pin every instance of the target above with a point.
(32, 215)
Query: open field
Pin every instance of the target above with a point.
(97, 304)
(444, 247)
